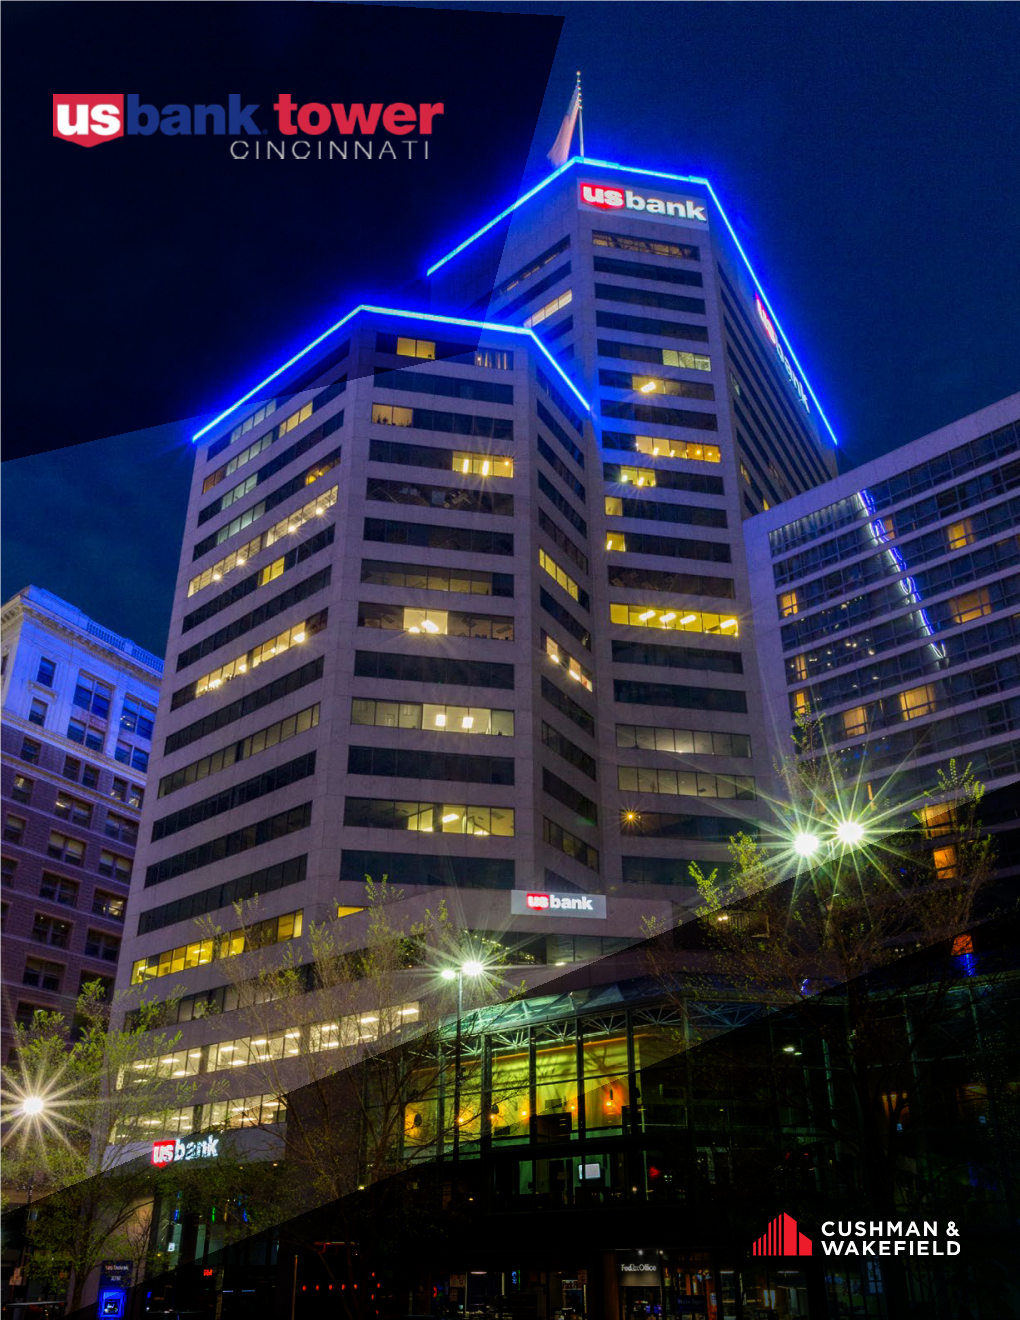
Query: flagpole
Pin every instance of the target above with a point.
(580, 110)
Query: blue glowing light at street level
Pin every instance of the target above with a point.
(652, 174)
(433, 317)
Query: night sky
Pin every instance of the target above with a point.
(869, 156)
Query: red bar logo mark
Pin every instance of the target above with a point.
(782, 1238)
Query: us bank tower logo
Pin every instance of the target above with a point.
(782, 1238)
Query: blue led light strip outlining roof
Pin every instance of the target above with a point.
(411, 316)
(651, 174)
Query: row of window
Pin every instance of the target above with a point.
(65, 891)
(652, 415)
(427, 419)
(409, 763)
(570, 752)
(696, 515)
(657, 446)
(430, 350)
(646, 543)
(668, 825)
(998, 635)
(674, 619)
(569, 844)
(255, 581)
(230, 845)
(455, 498)
(472, 540)
(285, 527)
(559, 700)
(964, 568)
(684, 783)
(564, 618)
(269, 502)
(428, 577)
(561, 272)
(701, 482)
(454, 387)
(270, 649)
(644, 270)
(449, 670)
(651, 325)
(531, 268)
(436, 623)
(666, 357)
(450, 460)
(562, 471)
(652, 246)
(560, 538)
(560, 400)
(429, 817)
(270, 781)
(655, 579)
(56, 934)
(683, 742)
(972, 728)
(882, 495)
(77, 812)
(171, 962)
(677, 657)
(678, 695)
(954, 536)
(441, 718)
(954, 689)
(233, 711)
(684, 389)
(241, 1112)
(267, 880)
(562, 578)
(287, 456)
(562, 504)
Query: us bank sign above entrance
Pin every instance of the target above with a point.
(655, 206)
(524, 903)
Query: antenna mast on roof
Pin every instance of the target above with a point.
(580, 111)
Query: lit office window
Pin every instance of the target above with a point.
(536, 318)
(674, 619)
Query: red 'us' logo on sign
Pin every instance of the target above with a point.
(89, 120)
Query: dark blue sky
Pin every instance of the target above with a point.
(869, 156)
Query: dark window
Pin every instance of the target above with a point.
(559, 502)
(72, 768)
(230, 845)
(270, 781)
(695, 514)
(45, 672)
(51, 931)
(415, 869)
(569, 751)
(677, 695)
(561, 539)
(473, 540)
(667, 825)
(58, 889)
(558, 433)
(567, 706)
(583, 808)
(121, 828)
(402, 763)
(667, 385)
(89, 776)
(561, 469)
(531, 268)
(42, 975)
(564, 618)
(37, 711)
(30, 751)
(650, 415)
(678, 657)
(432, 669)
(670, 302)
(569, 844)
(94, 696)
(654, 579)
(644, 270)
(114, 866)
(673, 871)
(652, 246)
(455, 387)
(650, 325)
(100, 945)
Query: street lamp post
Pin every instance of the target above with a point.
(32, 1107)
(471, 967)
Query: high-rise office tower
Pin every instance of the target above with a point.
(463, 597)
(885, 604)
(78, 709)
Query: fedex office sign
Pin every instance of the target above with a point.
(173, 1151)
(659, 206)
(525, 904)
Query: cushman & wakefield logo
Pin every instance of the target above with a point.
(782, 1238)
(91, 119)
(173, 1150)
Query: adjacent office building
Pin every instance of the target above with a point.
(79, 704)
(886, 605)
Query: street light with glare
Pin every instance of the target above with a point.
(850, 833)
(32, 1106)
(806, 844)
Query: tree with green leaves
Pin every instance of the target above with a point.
(75, 1132)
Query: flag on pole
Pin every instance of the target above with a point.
(560, 153)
